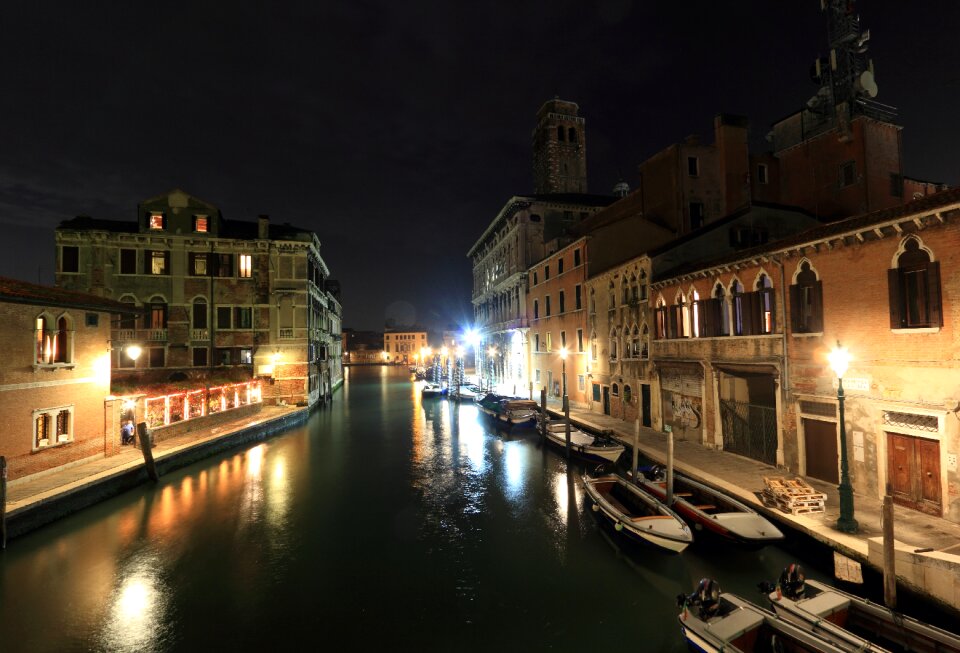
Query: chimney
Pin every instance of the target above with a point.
(263, 227)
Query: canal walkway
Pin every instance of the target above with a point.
(928, 547)
(41, 498)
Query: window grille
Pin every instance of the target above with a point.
(818, 408)
(928, 423)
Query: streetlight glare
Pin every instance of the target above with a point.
(839, 359)
(134, 351)
(563, 353)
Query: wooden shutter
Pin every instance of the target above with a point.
(796, 296)
(773, 309)
(673, 323)
(896, 301)
(816, 307)
(933, 294)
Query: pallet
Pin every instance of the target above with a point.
(794, 495)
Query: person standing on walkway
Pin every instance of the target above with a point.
(126, 433)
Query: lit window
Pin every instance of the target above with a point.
(246, 357)
(199, 267)
(158, 262)
(246, 265)
(200, 224)
(156, 221)
(52, 426)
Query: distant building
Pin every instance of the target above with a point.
(221, 299)
(404, 344)
(56, 376)
(362, 347)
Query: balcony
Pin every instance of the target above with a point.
(156, 335)
(286, 334)
(125, 335)
(199, 334)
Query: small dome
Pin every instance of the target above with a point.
(622, 189)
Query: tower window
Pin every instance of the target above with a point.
(696, 215)
(572, 133)
(157, 221)
(560, 134)
(693, 166)
(200, 223)
(848, 173)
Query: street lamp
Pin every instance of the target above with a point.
(839, 359)
(566, 400)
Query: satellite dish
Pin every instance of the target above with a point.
(866, 83)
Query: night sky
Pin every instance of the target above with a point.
(397, 130)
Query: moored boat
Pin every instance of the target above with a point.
(819, 607)
(467, 392)
(595, 448)
(636, 514)
(712, 622)
(432, 390)
(712, 511)
(509, 411)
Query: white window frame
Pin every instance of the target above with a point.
(57, 441)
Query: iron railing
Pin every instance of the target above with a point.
(749, 430)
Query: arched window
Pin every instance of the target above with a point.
(199, 313)
(661, 316)
(645, 343)
(615, 390)
(914, 286)
(635, 342)
(611, 296)
(158, 313)
(643, 285)
(806, 301)
(627, 394)
(696, 314)
(680, 318)
(62, 354)
(613, 344)
(593, 346)
(634, 289)
(128, 321)
(593, 301)
(765, 305)
(719, 315)
(572, 133)
(737, 302)
(624, 291)
(53, 341)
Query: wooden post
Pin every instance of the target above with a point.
(889, 555)
(543, 412)
(531, 390)
(636, 450)
(144, 435)
(566, 419)
(670, 468)
(3, 502)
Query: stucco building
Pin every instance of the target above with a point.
(221, 299)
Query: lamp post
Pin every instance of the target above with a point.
(566, 400)
(839, 359)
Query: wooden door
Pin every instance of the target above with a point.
(820, 439)
(606, 400)
(913, 472)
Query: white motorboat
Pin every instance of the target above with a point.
(594, 448)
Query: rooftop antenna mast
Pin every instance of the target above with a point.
(846, 75)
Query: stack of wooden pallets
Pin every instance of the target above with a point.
(792, 495)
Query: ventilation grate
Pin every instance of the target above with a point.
(818, 408)
(909, 420)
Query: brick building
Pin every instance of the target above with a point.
(55, 376)
(750, 351)
(516, 239)
(222, 299)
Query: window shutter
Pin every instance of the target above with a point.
(816, 307)
(753, 317)
(896, 302)
(796, 293)
(702, 318)
(933, 294)
(673, 324)
(773, 310)
(147, 261)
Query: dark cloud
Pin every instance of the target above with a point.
(397, 130)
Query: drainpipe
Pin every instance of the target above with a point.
(784, 385)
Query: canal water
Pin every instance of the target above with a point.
(384, 522)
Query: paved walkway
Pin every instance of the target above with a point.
(743, 478)
(25, 493)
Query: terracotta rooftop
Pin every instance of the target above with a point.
(15, 291)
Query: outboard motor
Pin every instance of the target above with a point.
(792, 581)
(706, 598)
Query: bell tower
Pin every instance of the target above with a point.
(559, 149)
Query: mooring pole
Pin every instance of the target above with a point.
(144, 436)
(670, 468)
(543, 412)
(3, 502)
(889, 555)
(636, 450)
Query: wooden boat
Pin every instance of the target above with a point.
(712, 511)
(595, 448)
(509, 411)
(728, 623)
(636, 514)
(467, 392)
(818, 607)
